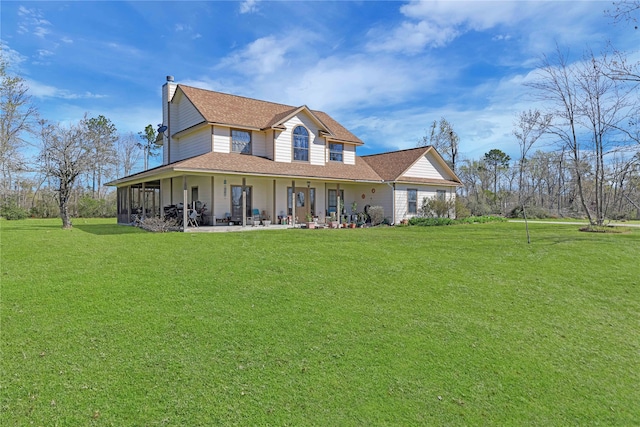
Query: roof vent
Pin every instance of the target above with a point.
(169, 78)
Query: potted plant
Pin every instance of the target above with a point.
(334, 221)
(310, 223)
(362, 219)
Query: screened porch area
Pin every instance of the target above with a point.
(138, 201)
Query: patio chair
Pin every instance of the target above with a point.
(192, 220)
(254, 219)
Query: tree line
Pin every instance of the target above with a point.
(52, 169)
(578, 155)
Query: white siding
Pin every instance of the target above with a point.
(258, 142)
(221, 139)
(427, 167)
(424, 191)
(349, 154)
(186, 114)
(269, 144)
(283, 151)
(193, 144)
(262, 194)
(381, 196)
(284, 141)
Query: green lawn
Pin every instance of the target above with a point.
(458, 325)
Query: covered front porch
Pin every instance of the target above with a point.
(245, 200)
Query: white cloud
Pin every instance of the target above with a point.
(357, 81)
(249, 6)
(40, 90)
(33, 22)
(187, 29)
(436, 24)
(13, 57)
(266, 55)
(41, 32)
(43, 53)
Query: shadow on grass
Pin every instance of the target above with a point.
(107, 229)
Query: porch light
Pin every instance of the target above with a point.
(308, 184)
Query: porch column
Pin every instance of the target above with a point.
(293, 203)
(213, 218)
(144, 204)
(339, 207)
(171, 191)
(128, 203)
(244, 202)
(185, 211)
(161, 199)
(273, 208)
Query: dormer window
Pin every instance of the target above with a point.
(240, 141)
(335, 152)
(301, 144)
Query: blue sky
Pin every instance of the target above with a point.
(385, 70)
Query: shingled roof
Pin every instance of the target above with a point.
(233, 110)
(392, 165)
(236, 163)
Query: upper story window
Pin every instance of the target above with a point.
(335, 152)
(240, 141)
(301, 144)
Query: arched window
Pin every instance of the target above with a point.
(301, 144)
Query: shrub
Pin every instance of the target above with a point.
(430, 221)
(478, 208)
(437, 207)
(376, 213)
(425, 222)
(462, 211)
(532, 212)
(88, 207)
(44, 210)
(12, 211)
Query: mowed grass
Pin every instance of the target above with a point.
(461, 325)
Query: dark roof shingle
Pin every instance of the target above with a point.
(233, 110)
(253, 165)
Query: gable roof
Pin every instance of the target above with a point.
(392, 165)
(233, 110)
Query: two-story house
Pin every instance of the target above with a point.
(238, 155)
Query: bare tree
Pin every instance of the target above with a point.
(624, 11)
(529, 127)
(16, 115)
(605, 108)
(444, 139)
(556, 86)
(128, 153)
(620, 68)
(65, 154)
(590, 111)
